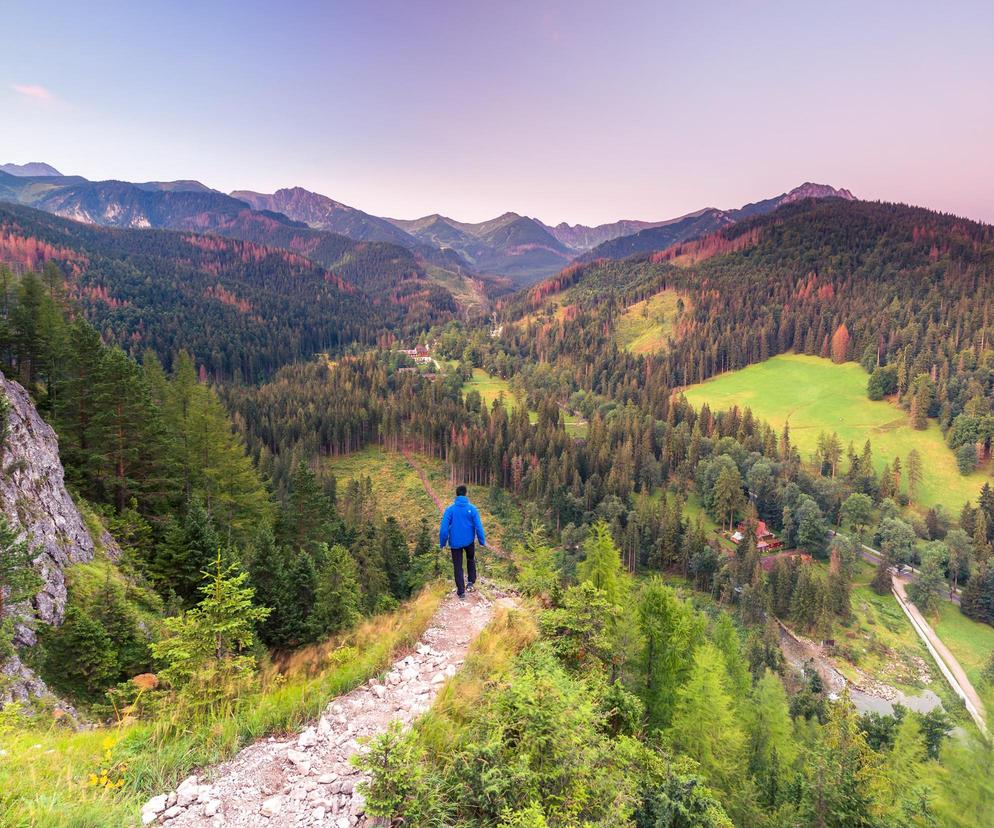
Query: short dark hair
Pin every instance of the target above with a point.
(460, 491)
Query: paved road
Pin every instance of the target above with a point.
(873, 556)
(954, 672)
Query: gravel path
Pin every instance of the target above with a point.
(306, 779)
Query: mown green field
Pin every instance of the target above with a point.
(645, 327)
(970, 641)
(816, 395)
(490, 388)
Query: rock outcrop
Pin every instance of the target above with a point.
(33, 497)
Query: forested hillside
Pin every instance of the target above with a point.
(242, 309)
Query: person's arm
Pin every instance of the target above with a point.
(443, 528)
(479, 527)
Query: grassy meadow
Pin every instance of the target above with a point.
(645, 327)
(397, 489)
(815, 395)
(970, 641)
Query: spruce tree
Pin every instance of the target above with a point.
(190, 545)
(337, 600)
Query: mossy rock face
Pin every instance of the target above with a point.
(33, 498)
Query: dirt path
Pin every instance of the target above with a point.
(306, 779)
(953, 670)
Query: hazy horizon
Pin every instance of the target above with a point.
(583, 113)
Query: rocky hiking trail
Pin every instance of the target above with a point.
(307, 779)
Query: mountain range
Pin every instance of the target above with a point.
(518, 250)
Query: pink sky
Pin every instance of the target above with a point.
(581, 111)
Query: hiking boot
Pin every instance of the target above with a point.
(470, 587)
(461, 596)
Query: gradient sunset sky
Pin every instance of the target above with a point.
(577, 111)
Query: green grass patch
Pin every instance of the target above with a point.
(647, 326)
(816, 395)
(44, 774)
(491, 388)
(879, 640)
(969, 641)
(397, 489)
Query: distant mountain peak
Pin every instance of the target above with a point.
(811, 190)
(30, 170)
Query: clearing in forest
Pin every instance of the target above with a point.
(491, 388)
(816, 395)
(646, 326)
(396, 487)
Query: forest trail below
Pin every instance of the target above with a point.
(307, 779)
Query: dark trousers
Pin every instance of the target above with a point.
(470, 566)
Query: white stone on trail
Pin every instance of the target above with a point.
(307, 778)
(272, 806)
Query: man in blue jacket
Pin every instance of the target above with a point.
(460, 527)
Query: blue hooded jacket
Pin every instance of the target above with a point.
(460, 524)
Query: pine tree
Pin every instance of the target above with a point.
(304, 521)
(267, 576)
(76, 409)
(212, 459)
(127, 433)
(728, 498)
(915, 472)
(396, 558)
(368, 554)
